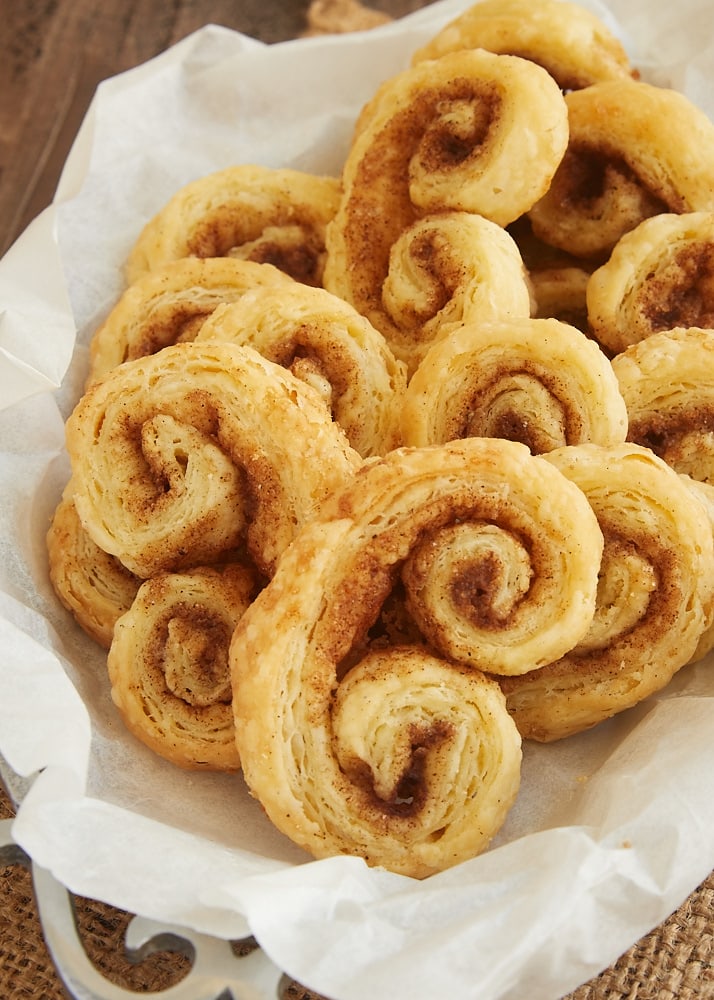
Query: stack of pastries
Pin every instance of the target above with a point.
(375, 477)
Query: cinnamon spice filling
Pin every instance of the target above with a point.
(682, 292)
(411, 791)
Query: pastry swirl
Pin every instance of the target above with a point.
(570, 42)
(328, 344)
(184, 454)
(168, 305)
(342, 733)
(659, 276)
(91, 584)
(635, 150)
(667, 382)
(263, 214)
(446, 136)
(538, 381)
(444, 270)
(654, 598)
(168, 664)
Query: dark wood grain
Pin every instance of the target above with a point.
(53, 53)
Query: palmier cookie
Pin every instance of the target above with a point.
(325, 342)
(667, 383)
(635, 150)
(168, 664)
(446, 136)
(400, 753)
(659, 276)
(538, 381)
(573, 44)
(187, 453)
(441, 271)
(654, 597)
(91, 584)
(167, 306)
(251, 212)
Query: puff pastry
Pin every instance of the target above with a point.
(401, 752)
(168, 664)
(659, 276)
(168, 306)
(186, 453)
(538, 381)
(447, 135)
(704, 492)
(573, 44)
(328, 344)
(667, 382)
(635, 150)
(442, 271)
(93, 585)
(654, 597)
(264, 214)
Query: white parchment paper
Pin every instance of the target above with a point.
(612, 829)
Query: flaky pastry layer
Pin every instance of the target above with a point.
(186, 453)
(654, 596)
(538, 381)
(247, 211)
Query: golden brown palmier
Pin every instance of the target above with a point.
(184, 454)
(442, 271)
(93, 585)
(658, 277)
(251, 212)
(538, 381)
(654, 597)
(447, 135)
(401, 753)
(325, 342)
(635, 150)
(168, 664)
(168, 306)
(667, 382)
(573, 44)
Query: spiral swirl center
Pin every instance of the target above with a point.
(196, 658)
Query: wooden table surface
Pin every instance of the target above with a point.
(52, 55)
